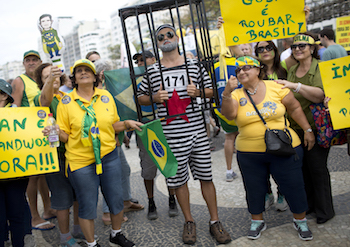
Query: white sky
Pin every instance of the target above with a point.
(18, 22)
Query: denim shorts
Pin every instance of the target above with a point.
(62, 193)
(86, 182)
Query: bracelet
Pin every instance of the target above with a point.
(226, 97)
(309, 130)
(126, 128)
(298, 88)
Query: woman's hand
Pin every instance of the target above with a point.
(47, 130)
(55, 72)
(287, 84)
(307, 12)
(325, 102)
(220, 22)
(309, 140)
(131, 125)
(231, 85)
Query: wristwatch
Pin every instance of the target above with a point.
(308, 130)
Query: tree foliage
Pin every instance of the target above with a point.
(114, 54)
(212, 11)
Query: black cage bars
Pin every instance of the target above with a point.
(196, 10)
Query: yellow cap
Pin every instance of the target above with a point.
(85, 62)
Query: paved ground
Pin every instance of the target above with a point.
(233, 212)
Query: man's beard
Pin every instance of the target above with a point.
(168, 47)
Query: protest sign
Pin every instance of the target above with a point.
(24, 151)
(249, 21)
(335, 78)
(51, 39)
(343, 32)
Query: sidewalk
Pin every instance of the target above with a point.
(233, 213)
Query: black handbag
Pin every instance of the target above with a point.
(278, 142)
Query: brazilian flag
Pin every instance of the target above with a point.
(118, 83)
(153, 139)
(226, 124)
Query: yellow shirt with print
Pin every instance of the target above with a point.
(251, 129)
(69, 118)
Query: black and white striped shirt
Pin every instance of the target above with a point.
(176, 79)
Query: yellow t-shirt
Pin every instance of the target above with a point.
(69, 118)
(251, 128)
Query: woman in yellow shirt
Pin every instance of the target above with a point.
(255, 164)
(88, 120)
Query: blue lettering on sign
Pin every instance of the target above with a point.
(157, 149)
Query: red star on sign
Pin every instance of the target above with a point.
(177, 106)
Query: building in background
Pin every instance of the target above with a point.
(11, 70)
(324, 13)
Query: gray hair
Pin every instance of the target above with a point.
(102, 64)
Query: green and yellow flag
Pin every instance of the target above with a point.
(153, 139)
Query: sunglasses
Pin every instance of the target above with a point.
(169, 34)
(139, 61)
(262, 48)
(300, 46)
(244, 68)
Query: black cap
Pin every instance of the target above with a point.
(148, 54)
(6, 88)
(165, 26)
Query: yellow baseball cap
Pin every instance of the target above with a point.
(85, 62)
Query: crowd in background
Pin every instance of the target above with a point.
(90, 131)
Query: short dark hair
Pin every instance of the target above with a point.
(38, 74)
(45, 15)
(329, 33)
(72, 78)
(90, 53)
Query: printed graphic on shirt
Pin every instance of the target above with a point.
(105, 99)
(175, 79)
(66, 99)
(243, 101)
(268, 110)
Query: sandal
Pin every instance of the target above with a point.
(133, 207)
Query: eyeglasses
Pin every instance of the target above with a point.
(262, 48)
(300, 46)
(169, 34)
(139, 61)
(244, 68)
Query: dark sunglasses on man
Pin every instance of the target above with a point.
(169, 34)
(139, 61)
(262, 48)
(300, 46)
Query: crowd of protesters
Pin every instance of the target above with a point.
(91, 132)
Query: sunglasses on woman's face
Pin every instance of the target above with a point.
(244, 68)
(262, 48)
(169, 34)
(300, 46)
